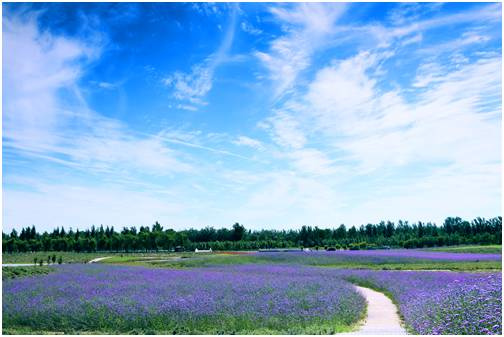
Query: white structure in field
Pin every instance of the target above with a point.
(203, 250)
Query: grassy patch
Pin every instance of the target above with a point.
(453, 266)
(488, 249)
(228, 325)
(73, 257)
(68, 257)
(312, 329)
(15, 272)
(183, 260)
(191, 260)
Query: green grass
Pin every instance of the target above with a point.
(15, 272)
(68, 257)
(193, 260)
(71, 257)
(425, 265)
(133, 258)
(488, 249)
(200, 328)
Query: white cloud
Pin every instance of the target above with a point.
(312, 161)
(429, 73)
(343, 93)
(250, 142)
(425, 154)
(46, 117)
(195, 85)
(248, 28)
(467, 39)
(414, 39)
(285, 130)
(410, 27)
(306, 26)
(489, 13)
(187, 107)
(36, 65)
(380, 128)
(106, 85)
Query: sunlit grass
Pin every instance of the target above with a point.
(487, 249)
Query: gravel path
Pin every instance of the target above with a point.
(382, 317)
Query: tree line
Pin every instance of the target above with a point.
(454, 231)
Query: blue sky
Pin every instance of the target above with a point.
(271, 115)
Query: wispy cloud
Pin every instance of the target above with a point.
(306, 27)
(250, 142)
(347, 123)
(192, 87)
(285, 130)
(381, 129)
(248, 28)
(40, 121)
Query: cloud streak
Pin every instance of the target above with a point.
(306, 26)
(192, 87)
(43, 118)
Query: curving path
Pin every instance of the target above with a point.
(382, 317)
(99, 259)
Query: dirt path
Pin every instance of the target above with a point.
(21, 264)
(382, 317)
(99, 259)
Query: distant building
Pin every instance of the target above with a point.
(203, 250)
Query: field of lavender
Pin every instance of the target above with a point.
(210, 301)
(434, 303)
(267, 293)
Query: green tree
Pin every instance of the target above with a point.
(238, 232)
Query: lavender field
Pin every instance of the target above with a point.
(441, 302)
(253, 298)
(209, 301)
